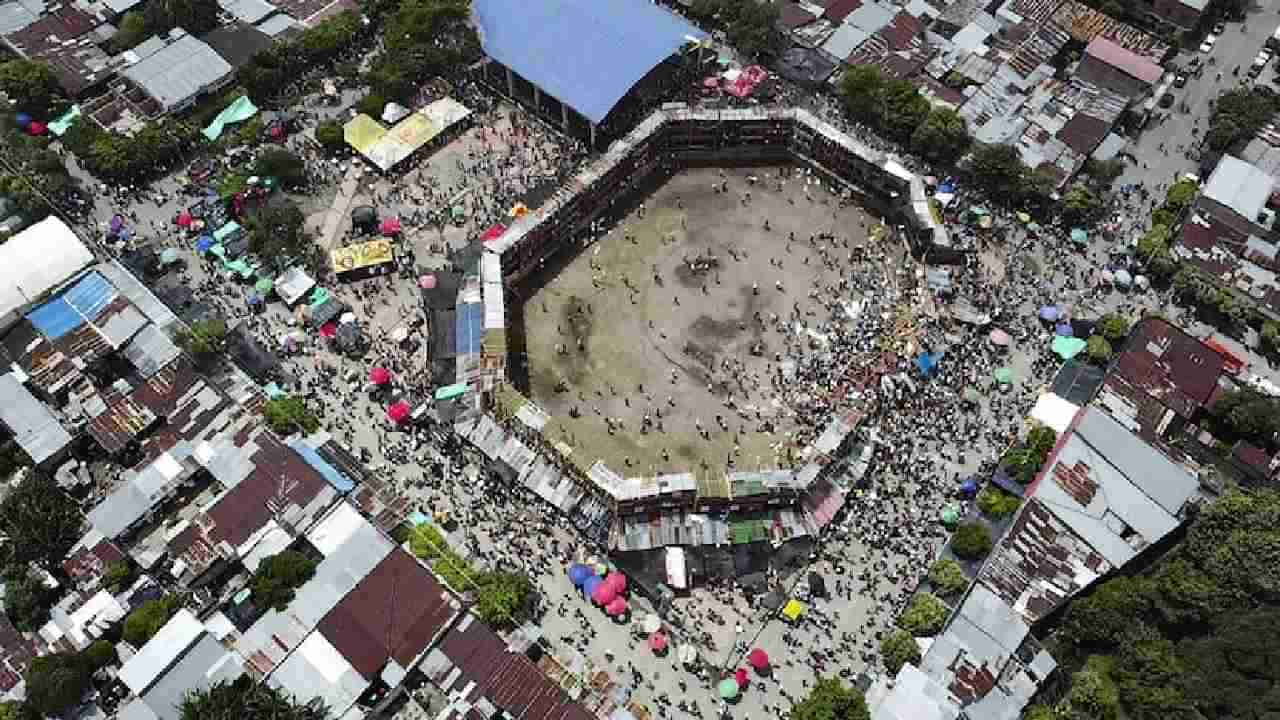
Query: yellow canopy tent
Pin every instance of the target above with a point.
(793, 610)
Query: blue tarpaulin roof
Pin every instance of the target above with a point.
(584, 53)
(470, 325)
(81, 302)
(339, 481)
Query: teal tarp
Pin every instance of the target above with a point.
(240, 110)
(221, 233)
(1067, 347)
(451, 391)
(65, 121)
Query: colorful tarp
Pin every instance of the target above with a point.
(238, 111)
(64, 121)
(361, 255)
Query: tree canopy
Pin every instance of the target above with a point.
(32, 86)
(283, 165)
(278, 232)
(203, 339)
(971, 541)
(1238, 115)
(1114, 327)
(943, 136)
(288, 414)
(924, 615)
(57, 682)
(947, 578)
(146, 620)
(751, 28)
(243, 699)
(897, 649)
(26, 599)
(830, 699)
(996, 503)
(1098, 350)
(39, 522)
(278, 576)
(1246, 415)
(330, 136)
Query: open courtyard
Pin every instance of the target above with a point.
(664, 345)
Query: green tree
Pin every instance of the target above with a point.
(329, 135)
(1184, 594)
(39, 522)
(195, 16)
(12, 459)
(32, 86)
(1114, 327)
(1235, 671)
(1098, 350)
(897, 649)
(905, 109)
(14, 710)
(1080, 205)
(278, 232)
(1246, 415)
(1103, 172)
(1041, 439)
(971, 541)
(1181, 194)
(924, 616)
(751, 28)
(279, 576)
(996, 503)
(862, 88)
(57, 682)
(1101, 619)
(204, 339)
(947, 578)
(999, 170)
(1238, 114)
(830, 699)
(942, 137)
(100, 654)
(146, 620)
(118, 576)
(246, 698)
(502, 598)
(1093, 694)
(283, 165)
(26, 599)
(1270, 337)
(288, 414)
(131, 31)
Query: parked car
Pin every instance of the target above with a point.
(1209, 40)
(1180, 79)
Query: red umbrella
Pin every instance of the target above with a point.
(658, 642)
(37, 128)
(379, 376)
(616, 607)
(618, 581)
(399, 412)
(493, 233)
(329, 330)
(391, 226)
(184, 219)
(604, 594)
(740, 677)
(758, 658)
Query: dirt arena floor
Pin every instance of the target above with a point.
(629, 330)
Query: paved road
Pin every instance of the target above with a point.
(1237, 47)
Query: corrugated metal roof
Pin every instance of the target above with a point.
(1242, 187)
(393, 614)
(14, 17)
(204, 665)
(250, 11)
(585, 53)
(142, 670)
(184, 68)
(137, 293)
(150, 351)
(34, 426)
(1124, 60)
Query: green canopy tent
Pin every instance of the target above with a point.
(728, 689)
(1067, 347)
(950, 515)
(1079, 236)
(448, 392)
(1004, 376)
(264, 286)
(238, 111)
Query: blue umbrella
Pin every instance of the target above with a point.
(255, 299)
(969, 487)
(1064, 329)
(578, 574)
(590, 584)
(1048, 313)
(926, 363)
(23, 120)
(203, 243)
(947, 187)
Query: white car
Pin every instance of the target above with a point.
(1207, 45)
(1263, 57)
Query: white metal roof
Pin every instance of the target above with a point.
(143, 669)
(35, 428)
(35, 262)
(183, 69)
(1240, 186)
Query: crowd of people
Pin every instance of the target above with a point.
(927, 433)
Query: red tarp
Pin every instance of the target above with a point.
(746, 82)
(379, 376)
(184, 219)
(329, 330)
(398, 412)
(391, 226)
(657, 642)
(493, 233)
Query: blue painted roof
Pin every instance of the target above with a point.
(339, 481)
(470, 324)
(80, 303)
(585, 53)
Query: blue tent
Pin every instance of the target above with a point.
(947, 187)
(969, 487)
(203, 243)
(578, 573)
(928, 363)
(590, 584)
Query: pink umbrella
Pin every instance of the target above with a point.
(618, 581)
(616, 607)
(493, 233)
(427, 282)
(184, 219)
(658, 642)
(379, 376)
(391, 226)
(758, 658)
(329, 330)
(399, 412)
(1000, 337)
(740, 676)
(604, 594)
